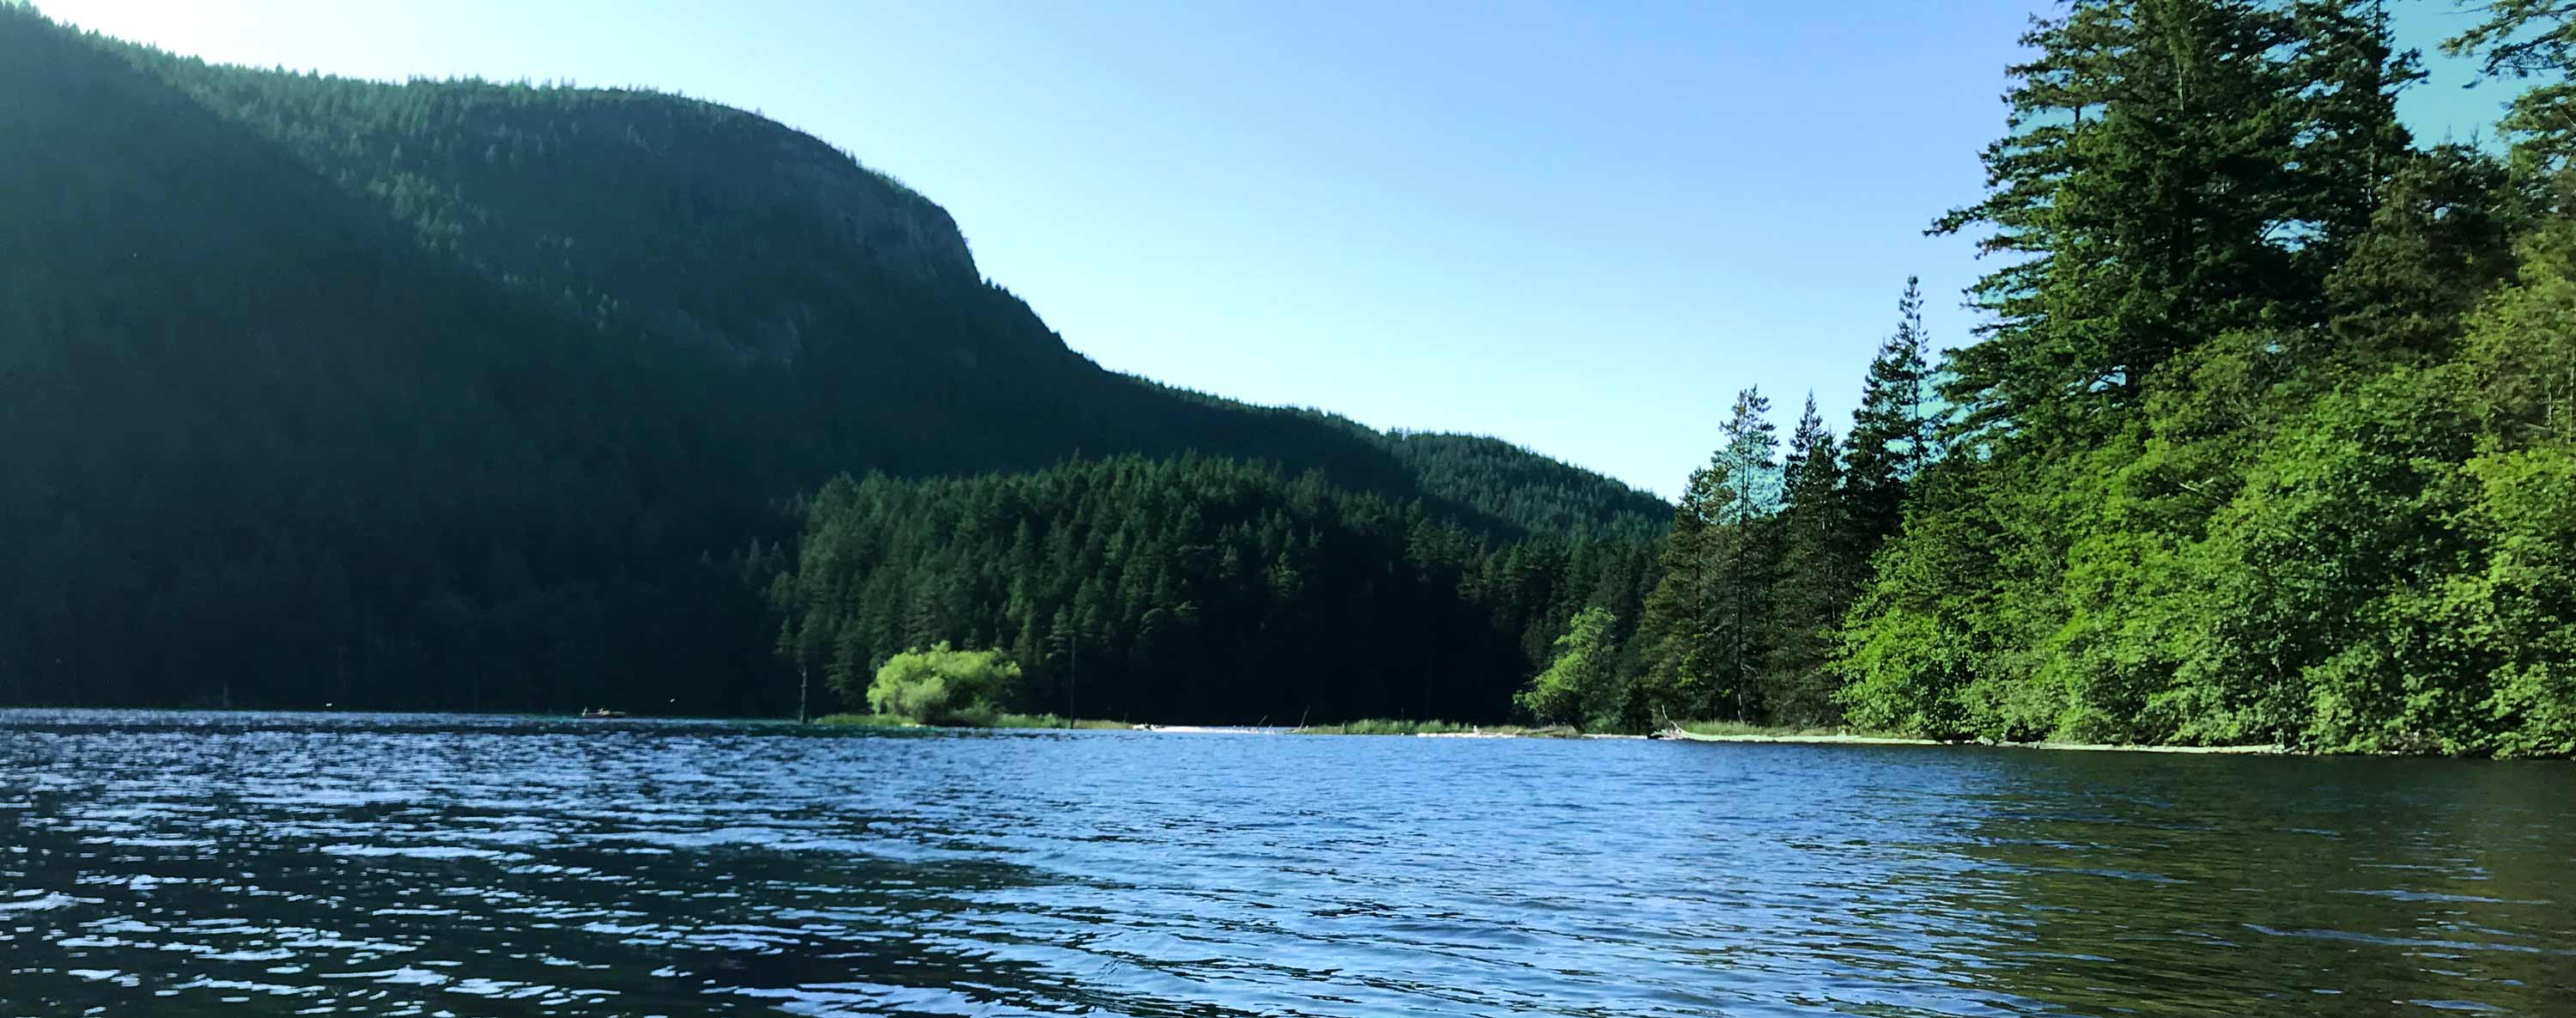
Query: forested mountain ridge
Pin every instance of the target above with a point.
(700, 220)
(710, 224)
(266, 450)
(468, 395)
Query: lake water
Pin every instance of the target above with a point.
(175, 864)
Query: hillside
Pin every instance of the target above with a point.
(471, 395)
(715, 227)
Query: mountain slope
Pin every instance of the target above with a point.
(315, 397)
(264, 449)
(715, 226)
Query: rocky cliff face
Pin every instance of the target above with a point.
(901, 232)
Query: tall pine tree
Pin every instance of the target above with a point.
(1705, 619)
(1894, 432)
(2172, 170)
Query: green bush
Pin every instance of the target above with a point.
(943, 685)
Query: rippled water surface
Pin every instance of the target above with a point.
(352, 865)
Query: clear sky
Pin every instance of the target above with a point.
(1580, 226)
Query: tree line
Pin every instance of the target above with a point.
(2266, 438)
(1190, 589)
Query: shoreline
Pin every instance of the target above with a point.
(1440, 730)
(1889, 740)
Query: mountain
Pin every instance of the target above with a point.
(457, 394)
(715, 227)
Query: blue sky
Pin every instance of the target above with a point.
(1579, 227)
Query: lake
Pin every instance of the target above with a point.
(246, 864)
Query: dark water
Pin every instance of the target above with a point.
(241, 864)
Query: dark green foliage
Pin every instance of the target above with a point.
(1895, 431)
(1192, 590)
(855, 298)
(1503, 481)
(265, 451)
(465, 395)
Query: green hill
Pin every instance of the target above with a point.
(471, 395)
(715, 227)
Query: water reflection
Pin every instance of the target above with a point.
(2197, 885)
(385, 866)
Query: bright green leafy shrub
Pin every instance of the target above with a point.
(943, 685)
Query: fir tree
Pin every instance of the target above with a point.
(1893, 434)
(1706, 618)
(1818, 576)
(2171, 170)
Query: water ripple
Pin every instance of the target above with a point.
(363, 865)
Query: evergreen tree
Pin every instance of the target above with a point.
(1747, 461)
(2353, 145)
(1680, 613)
(2441, 238)
(1894, 434)
(2170, 172)
(1706, 618)
(1147, 604)
(1820, 553)
(2227, 246)
(1746, 550)
(449, 394)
